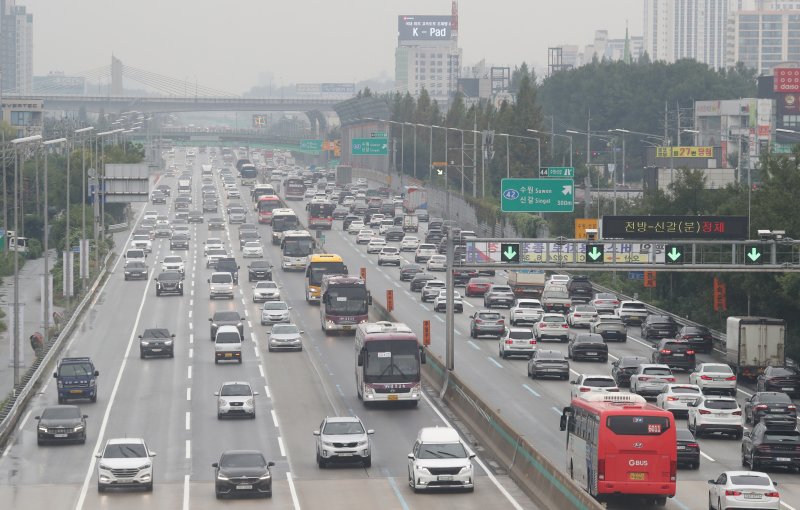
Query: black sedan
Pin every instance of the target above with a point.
(548, 363)
(770, 405)
(785, 379)
(63, 423)
(135, 270)
(688, 449)
(409, 271)
(395, 234)
(659, 326)
(195, 217)
(587, 346)
(216, 224)
(179, 241)
(420, 281)
(699, 337)
(242, 472)
(259, 270)
(623, 368)
(226, 318)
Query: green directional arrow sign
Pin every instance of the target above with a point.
(674, 254)
(311, 145)
(369, 146)
(753, 254)
(509, 252)
(595, 253)
(537, 195)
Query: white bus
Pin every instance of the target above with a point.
(296, 246)
(388, 363)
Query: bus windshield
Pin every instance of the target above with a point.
(298, 248)
(320, 269)
(268, 205)
(391, 361)
(351, 300)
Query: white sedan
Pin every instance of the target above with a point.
(252, 249)
(375, 245)
(266, 290)
(409, 243)
(675, 397)
(437, 263)
(714, 378)
(364, 236)
(212, 243)
(355, 227)
(743, 489)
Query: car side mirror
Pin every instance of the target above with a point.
(140, 336)
(712, 482)
(37, 417)
(270, 464)
(360, 360)
(216, 393)
(96, 373)
(215, 465)
(471, 456)
(173, 335)
(573, 382)
(209, 280)
(370, 432)
(316, 432)
(85, 416)
(55, 375)
(411, 456)
(153, 454)
(423, 356)
(746, 433)
(210, 319)
(98, 455)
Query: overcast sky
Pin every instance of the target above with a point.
(230, 44)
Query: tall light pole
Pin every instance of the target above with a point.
(101, 175)
(46, 247)
(623, 132)
(538, 150)
(84, 253)
(552, 134)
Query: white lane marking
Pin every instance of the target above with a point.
(293, 491)
(246, 313)
(407, 293)
(474, 345)
(491, 476)
(494, 361)
(191, 325)
(787, 506)
(188, 448)
(190, 314)
(280, 445)
(189, 372)
(457, 332)
(557, 410)
(188, 394)
(746, 393)
(191, 338)
(266, 391)
(261, 371)
(274, 417)
(613, 357)
(468, 303)
(531, 390)
(186, 487)
(640, 342)
(191, 352)
(439, 318)
(250, 324)
(255, 351)
(19, 428)
(191, 302)
(188, 420)
(706, 456)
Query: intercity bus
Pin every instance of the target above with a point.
(295, 189)
(344, 303)
(265, 205)
(319, 265)
(388, 363)
(283, 219)
(296, 246)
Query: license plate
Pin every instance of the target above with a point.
(787, 389)
(445, 478)
(392, 397)
(591, 354)
(678, 355)
(156, 350)
(783, 459)
(75, 392)
(244, 487)
(752, 495)
(637, 476)
(347, 328)
(681, 447)
(60, 435)
(228, 355)
(345, 455)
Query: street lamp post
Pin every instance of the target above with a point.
(46, 246)
(552, 134)
(83, 248)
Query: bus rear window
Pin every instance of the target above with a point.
(637, 425)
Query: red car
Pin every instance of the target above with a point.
(477, 286)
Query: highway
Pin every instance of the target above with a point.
(170, 403)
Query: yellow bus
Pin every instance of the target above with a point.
(319, 265)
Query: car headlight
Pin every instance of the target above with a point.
(265, 476)
(103, 466)
(420, 469)
(249, 402)
(220, 476)
(78, 428)
(145, 344)
(92, 382)
(327, 443)
(42, 429)
(468, 467)
(167, 342)
(361, 443)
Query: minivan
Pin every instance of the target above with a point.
(220, 285)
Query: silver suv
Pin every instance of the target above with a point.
(432, 289)
(236, 398)
(125, 462)
(345, 439)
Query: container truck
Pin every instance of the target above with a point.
(526, 284)
(415, 198)
(344, 175)
(753, 343)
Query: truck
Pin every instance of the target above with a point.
(76, 378)
(415, 198)
(753, 343)
(344, 175)
(410, 223)
(526, 284)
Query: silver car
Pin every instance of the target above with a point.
(432, 289)
(236, 398)
(344, 439)
(274, 312)
(285, 336)
(266, 291)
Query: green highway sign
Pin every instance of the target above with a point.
(537, 195)
(378, 134)
(557, 171)
(753, 254)
(674, 254)
(595, 253)
(311, 145)
(370, 146)
(509, 252)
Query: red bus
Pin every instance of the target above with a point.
(265, 205)
(619, 445)
(344, 303)
(320, 215)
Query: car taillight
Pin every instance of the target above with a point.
(478, 321)
(643, 378)
(533, 342)
(705, 378)
(690, 352)
(791, 406)
(730, 492)
(601, 469)
(692, 445)
(673, 470)
(670, 379)
(737, 413)
(764, 448)
(509, 341)
(731, 378)
(703, 411)
(772, 494)
(501, 321)
(565, 326)
(577, 315)
(761, 406)
(585, 389)
(665, 351)
(672, 399)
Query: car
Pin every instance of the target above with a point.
(688, 449)
(309, 193)
(632, 312)
(228, 344)
(228, 265)
(424, 252)
(210, 205)
(236, 214)
(743, 489)
(220, 285)
(463, 276)
(364, 236)
(384, 226)
(343, 439)
(165, 189)
(157, 197)
(419, 281)
(125, 462)
(605, 303)
(714, 378)
(772, 445)
(436, 263)
(233, 192)
(548, 363)
(551, 326)
(409, 270)
(376, 219)
(525, 311)
(677, 354)
(212, 243)
(163, 231)
(649, 378)
(150, 215)
(432, 289)
(440, 302)
(395, 234)
(236, 398)
(225, 318)
(242, 472)
(252, 249)
(375, 245)
(76, 378)
(434, 236)
(581, 316)
(587, 346)
(699, 337)
(486, 322)
(61, 424)
(658, 327)
(173, 263)
(440, 460)
(389, 255)
(624, 367)
(609, 327)
(592, 382)
(779, 378)
(265, 290)
(560, 279)
(195, 217)
(477, 286)
(422, 214)
(247, 236)
(274, 312)
(580, 288)
(771, 405)
(676, 397)
(348, 220)
(516, 342)
(340, 212)
(179, 241)
(409, 243)
(156, 342)
(259, 270)
(215, 224)
(498, 295)
(285, 336)
(135, 270)
(213, 255)
(555, 298)
(710, 414)
(356, 226)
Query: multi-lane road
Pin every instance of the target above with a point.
(170, 403)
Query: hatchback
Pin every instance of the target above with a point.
(235, 398)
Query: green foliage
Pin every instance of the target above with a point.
(34, 249)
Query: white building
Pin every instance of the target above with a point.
(16, 47)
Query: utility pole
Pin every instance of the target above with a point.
(474, 155)
(587, 199)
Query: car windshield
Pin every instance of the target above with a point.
(782, 436)
(782, 372)
(685, 389)
(242, 460)
(279, 305)
(61, 413)
(489, 316)
(750, 480)
(555, 294)
(520, 335)
(226, 316)
(260, 264)
(125, 451)
(75, 369)
(339, 428)
(285, 329)
(441, 451)
(589, 339)
(235, 390)
(221, 278)
(775, 398)
(550, 355)
(553, 319)
(684, 435)
(266, 285)
(718, 368)
(252, 245)
(657, 371)
(169, 276)
(156, 333)
(635, 306)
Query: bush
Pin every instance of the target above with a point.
(34, 249)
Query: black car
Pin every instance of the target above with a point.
(156, 342)
(348, 220)
(659, 326)
(340, 212)
(771, 444)
(785, 379)
(587, 346)
(622, 369)
(463, 276)
(61, 424)
(179, 241)
(434, 236)
(210, 206)
(674, 353)
(182, 204)
(409, 271)
(420, 281)
(548, 363)
(580, 288)
(195, 217)
(395, 234)
(259, 270)
(228, 265)
(165, 189)
(435, 224)
(226, 318)
(769, 405)
(242, 472)
(216, 224)
(698, 337)
(248, 236)
(169, 282)
(156, 197)
(135, 270)
(688, 449)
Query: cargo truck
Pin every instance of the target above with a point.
(753, 343)
(344, 175)
(526, 284)
(415, 198)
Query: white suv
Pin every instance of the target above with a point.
(173, 263)
(715, 414)
(424, 252)
(389, 255)
(125, 462)
(440, 460)
(220, 285)
(714, 378)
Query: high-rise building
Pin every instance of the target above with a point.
(762, 39)
(16, 48)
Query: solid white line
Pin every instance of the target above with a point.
(188, 394)
(266, 391)
(186, 487)
(188, 448)
(293, 491)
(491, 476)
(439, 318)
(188, 420)
(468, 303)
(24, 420)
(787, 506)
(494, 361)
(557, 410)
(274, 417)
(280, 445)
(189, 371)
(706, 456)
(640, 342)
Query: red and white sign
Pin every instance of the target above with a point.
(787, 79)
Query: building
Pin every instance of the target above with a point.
(16, 48)
(55, 82)
(763, 39)
(427, 56)
(601, 48)
(26, 116)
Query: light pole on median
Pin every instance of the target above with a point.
(84, 132)
(46, 248)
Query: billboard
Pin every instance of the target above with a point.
(674, 227)
(337, 88)
(787, 79)
(424, 28)
(685, 152)
(532, 253)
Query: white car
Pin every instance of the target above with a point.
(266, 291)
(592, 382)
(364, 236)
(173, 263)
(376, 219)
(162, 220)
(581, 316)
(713, 414)
(424, 252)
(150, 215)
(375, 245)
(440, 302)
(275, 312)
(355, 227)
(551, 326)
(384, 226)
(228, 344)
(743, 489)
(233, 192)
(142, 242)
(235, 398)
(440, 450)
(436, 263)
(220, 285)
(212, 243)
(675, 397)
(714, 378)
(557, 279)
(409, 243)
(431, 290)
(252, 249)
(525, 311)
(389, 255)
(309, 193)
(212, 256)
(650, 378)
(125, 462)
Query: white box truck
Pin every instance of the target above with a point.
(753, 343)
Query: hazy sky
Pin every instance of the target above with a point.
(228, 44)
